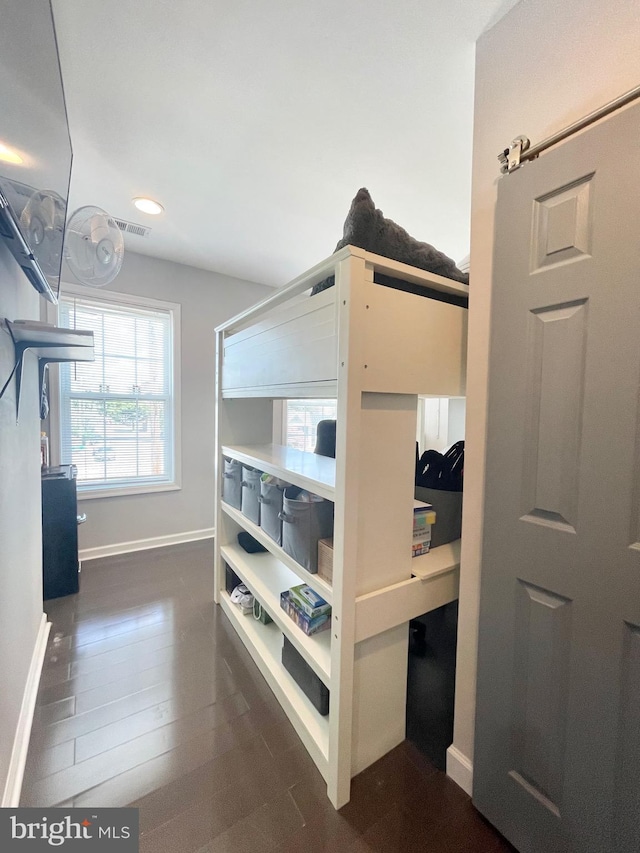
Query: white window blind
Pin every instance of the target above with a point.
(302, 418)
(117, 412)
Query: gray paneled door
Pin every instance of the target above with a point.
(557, 757)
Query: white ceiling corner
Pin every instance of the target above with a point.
(254, 123)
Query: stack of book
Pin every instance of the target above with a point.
(423, 517)
(308, 610)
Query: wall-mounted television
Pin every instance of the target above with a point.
(35, 147)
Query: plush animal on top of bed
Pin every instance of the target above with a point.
(367, 228)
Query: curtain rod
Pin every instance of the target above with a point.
(520, 149)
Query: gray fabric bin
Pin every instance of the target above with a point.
(448, 509)
(231, 483)
(270, 499)
(303, 523)
(250, 493)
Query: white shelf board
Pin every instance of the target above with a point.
(321, 586)
(307, 470)
(437, 561)
(386, 608)
(264, 643)
(266, 577)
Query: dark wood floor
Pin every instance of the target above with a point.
(149, 699)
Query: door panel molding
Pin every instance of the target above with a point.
(542, 651)
(557, 338)
(562, 225)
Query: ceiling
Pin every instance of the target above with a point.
(254, 123)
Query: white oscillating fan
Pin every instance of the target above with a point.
(93, 246)
(42, 222)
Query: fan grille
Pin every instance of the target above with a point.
(94, 246)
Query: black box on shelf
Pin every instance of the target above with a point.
(305, 677)
(231, 579)
(448, 509)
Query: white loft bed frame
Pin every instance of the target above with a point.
(375, 349)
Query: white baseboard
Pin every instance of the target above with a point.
(460, 769)
(145, 544)
(17, 764)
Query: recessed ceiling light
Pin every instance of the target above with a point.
(148, 205)
(8, 155)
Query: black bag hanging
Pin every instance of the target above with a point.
(453, 467)
(442, 471)
(430, 469)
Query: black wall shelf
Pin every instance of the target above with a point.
(50, 344)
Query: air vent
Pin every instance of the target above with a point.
(132, 228)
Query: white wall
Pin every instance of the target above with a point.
(20, 520)
(544, 65)
(206, 299)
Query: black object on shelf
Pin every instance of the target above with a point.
(326, 438)
(305, 677)
(60, 520)
(435, 470)
(250, 545)
(231, 579)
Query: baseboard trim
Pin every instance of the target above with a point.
(145, 544)
(460, 769)
(17, 764)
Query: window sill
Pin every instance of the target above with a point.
(91, 494)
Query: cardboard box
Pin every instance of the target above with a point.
(325, 559)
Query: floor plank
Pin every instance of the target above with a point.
(149, 699)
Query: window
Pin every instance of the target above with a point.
(301, 421)
(440, 422)
(118, 414)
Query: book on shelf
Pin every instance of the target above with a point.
(304, 621)
(307, 599)
(423, 518)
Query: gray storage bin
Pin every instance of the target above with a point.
(303, 523)
(448, 509)
(231, 483)
(270, 499)
(250, 493)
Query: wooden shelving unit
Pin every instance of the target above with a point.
(267, 577)
(296, 572)
(375, 349)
